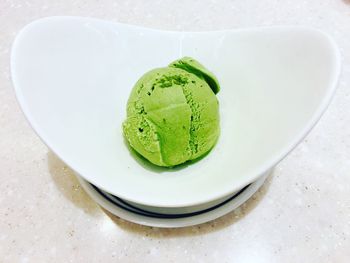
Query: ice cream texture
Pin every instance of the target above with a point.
(173, 113)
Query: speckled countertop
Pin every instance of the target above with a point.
(302, 213)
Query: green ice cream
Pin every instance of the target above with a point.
(173, 113)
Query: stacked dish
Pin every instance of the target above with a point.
(73, 76)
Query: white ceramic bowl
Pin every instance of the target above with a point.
(73, 76)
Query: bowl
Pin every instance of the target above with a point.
(73, 76)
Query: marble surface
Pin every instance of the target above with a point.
(302, 213)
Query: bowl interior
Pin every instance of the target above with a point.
(73, 76)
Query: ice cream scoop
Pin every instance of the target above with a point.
(173, 113)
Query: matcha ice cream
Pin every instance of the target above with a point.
(173, 113)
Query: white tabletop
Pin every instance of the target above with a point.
(302, 213)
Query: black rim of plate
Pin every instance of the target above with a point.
(126, 206)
